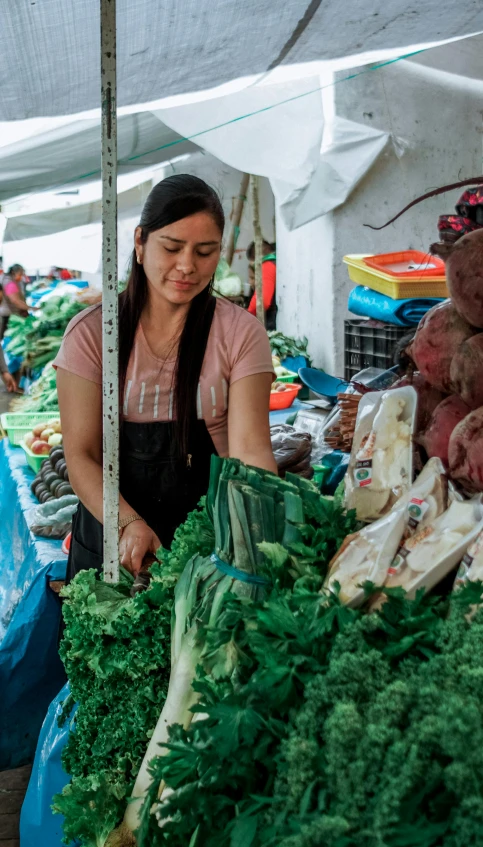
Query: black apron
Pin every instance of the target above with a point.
(159, 486)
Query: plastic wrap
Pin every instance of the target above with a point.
(381, 462)
(54, 518)
(368, 554)
(432, 552)
(291, 450)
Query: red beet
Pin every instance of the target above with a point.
(439, 334)
(428, 398)
(466, 451)
(464, 274)
(467, 371)
(435, 438)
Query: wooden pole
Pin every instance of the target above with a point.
(237, 216)
(258, 249)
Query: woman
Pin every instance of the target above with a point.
(13, 300)
(195, 376)
(269, 281)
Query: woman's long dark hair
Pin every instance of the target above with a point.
(173, 199)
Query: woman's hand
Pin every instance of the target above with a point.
(137, 539)
(9, 382)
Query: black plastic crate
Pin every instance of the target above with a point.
(370, 344)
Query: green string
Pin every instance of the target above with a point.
(201, 132)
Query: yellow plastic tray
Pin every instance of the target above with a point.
(397, 289)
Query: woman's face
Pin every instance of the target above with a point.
(180, 259)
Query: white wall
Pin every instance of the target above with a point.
(439, 116)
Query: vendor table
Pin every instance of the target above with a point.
(282, 415)
(31, 673)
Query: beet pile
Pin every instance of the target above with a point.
(447, 351)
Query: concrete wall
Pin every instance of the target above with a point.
(439, 117)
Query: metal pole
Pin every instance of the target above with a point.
(237, 216)
(258, 250)
(110, 330)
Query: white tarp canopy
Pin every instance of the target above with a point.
(272, 126)
(71, 153)
(35, 225)
(49, 62)
(281, 137)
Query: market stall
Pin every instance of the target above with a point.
(274, 683)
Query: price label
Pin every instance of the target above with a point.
(417, 509)
(363, 473)
(399, 562)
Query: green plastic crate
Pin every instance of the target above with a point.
(291, 377)
(34, 462)
(18, 425)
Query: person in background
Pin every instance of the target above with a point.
(269, 278)
(13, 300)
(65, 275)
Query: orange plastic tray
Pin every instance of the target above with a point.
(284, 399)
(398, 265)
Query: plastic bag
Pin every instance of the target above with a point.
(39, 827)
(381, 462)
(291, 450)
(54, 519)
(314, 423)
(432, 552)
(367, 555)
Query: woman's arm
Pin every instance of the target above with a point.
(80, 403)
(248, 421)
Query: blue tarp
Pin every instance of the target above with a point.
(31, 672)
(371, 304)
(39, 827)
(14, 363)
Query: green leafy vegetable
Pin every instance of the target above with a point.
(342, 729)
(116, 650)
(283, 346)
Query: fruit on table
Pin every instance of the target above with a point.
(49, 434)
(52, 480)
(55, 439)
(40, 448)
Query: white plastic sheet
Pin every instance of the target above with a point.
(21, 227)
(341, 166)
(280, 136)
(71, 153)
(284, 144)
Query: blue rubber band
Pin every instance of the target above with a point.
(242, 576)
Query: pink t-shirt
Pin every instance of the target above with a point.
(237, 347)
(11, 287)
